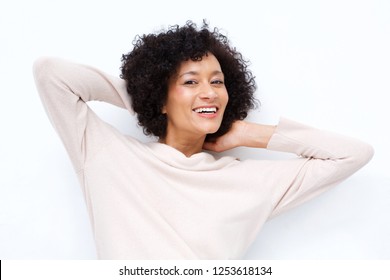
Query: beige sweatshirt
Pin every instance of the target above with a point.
(149, 201)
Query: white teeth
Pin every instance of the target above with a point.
(206, 110)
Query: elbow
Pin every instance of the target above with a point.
(368, 152)
(356, 159)
(41, 65)
(44, 69)
(362, 155)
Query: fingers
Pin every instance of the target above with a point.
(209, 146)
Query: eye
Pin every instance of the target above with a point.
(217, 82)
(190, 82)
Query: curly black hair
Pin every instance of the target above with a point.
(155, 59)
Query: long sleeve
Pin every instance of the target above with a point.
(149, 201)
(325, 159)
(64, 88)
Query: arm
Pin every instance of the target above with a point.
(83, 81)
(323, 160)
(243, 134)
(64, 88)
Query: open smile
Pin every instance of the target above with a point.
(206, 110)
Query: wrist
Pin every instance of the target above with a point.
(258, 135)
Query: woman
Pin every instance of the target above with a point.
(171, 199)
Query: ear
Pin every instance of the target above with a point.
(164, 109)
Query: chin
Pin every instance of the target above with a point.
(212, 131)
(209, 128)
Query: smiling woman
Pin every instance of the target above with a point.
(150, 68)
(195, 105)
(192, 90)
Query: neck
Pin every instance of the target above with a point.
(188, 146)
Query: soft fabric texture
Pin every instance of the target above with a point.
(149, 201)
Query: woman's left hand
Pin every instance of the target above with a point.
(242, 134)
(230, 140)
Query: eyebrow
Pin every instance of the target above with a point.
(197, 73)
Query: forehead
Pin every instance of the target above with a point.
(208, 63)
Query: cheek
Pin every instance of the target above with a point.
(178, 100)
(225, 98)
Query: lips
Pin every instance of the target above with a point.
(206, 110)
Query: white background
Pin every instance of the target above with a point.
(325, 63)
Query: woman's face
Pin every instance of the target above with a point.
(197, 98)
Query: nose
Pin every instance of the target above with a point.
(208, 92)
